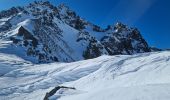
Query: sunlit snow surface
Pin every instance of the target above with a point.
(137, 77)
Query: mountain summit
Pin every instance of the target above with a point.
(55, 33)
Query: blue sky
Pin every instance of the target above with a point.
(151, 17)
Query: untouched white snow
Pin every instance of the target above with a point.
(137, 77)
(75, 49)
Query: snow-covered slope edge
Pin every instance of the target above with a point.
(136, 77)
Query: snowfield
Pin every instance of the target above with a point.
(123, 77)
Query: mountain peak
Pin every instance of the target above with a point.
(64, 10)
(63, 5)
(119, 25)
(56, 33)
(40, 3)
(115, 27)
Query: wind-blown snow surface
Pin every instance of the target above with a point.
(136, 77)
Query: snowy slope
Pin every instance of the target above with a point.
(136, 77)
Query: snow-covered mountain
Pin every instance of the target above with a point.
(123, 77)
(46, 33)
(124, 66)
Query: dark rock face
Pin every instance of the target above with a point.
(26, 39)
(94, 49)
(33, 45)
(53, 91)
(119, 39)
(10, 12)
(97, 28)
(27, 36)
(70, 17)
(124, 40)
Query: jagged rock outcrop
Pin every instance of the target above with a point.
(124, 40)
(53, 91)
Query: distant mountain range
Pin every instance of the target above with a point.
(55, 33)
